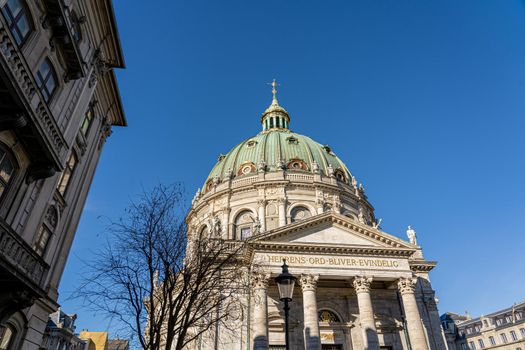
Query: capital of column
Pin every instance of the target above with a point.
(281, 200)
(308, 282)
(406, 285)
(262, 202)
(362, 284)
(260, 280)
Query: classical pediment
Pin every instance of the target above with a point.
(332, 230)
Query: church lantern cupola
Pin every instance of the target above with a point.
(275, 116)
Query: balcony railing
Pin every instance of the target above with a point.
(20, 260)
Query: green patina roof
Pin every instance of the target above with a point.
(274, 145)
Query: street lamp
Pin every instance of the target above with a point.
(285, 282)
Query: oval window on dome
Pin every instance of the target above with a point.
(251, 143)
(297, 164)
(246, 169)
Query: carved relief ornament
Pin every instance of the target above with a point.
(406, 285)
(362, 284)
(308, 281)
(260, 280)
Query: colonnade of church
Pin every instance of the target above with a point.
(362, 285)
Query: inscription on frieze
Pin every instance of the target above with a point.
(358, 262)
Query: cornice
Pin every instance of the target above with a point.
(287, 247)
(420, 265)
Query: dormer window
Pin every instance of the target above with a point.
(246, 169)
(17, 16)
(327, 149)
(297, 164)
(292, 140)
(251, 143)
(340, 175)
(221, 157)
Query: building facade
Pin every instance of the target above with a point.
(58, 102)
(289, 197)
(60, 333)
(502, 330)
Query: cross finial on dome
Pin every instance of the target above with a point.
(274, 90)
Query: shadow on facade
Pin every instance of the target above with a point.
(312, 342)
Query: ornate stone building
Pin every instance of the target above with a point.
(58, 102)
(503, 330)
(292, 198)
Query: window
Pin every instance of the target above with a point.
(481, 343)
(7, 334)
(503, 337)
(471, 346)
(485, 323)
(76, 29)
(7, 169)
(67, 173)
(46, 80)
(17, 17)
(492, 340)
(244, 224)
(463, 346)
(86, 123)
(508, 319)
(42, 239)
(513, 335)
(300, 213)
(519, 315)
(522, 330)
(499, 321)
(328, 316)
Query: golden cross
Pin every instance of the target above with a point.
(274, 91)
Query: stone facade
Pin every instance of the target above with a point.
(290, 198)
(59, 100)
(504, 329)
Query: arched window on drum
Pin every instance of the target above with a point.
(328, 316)
(244, 225)
(300, 213)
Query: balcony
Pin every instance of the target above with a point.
(19, 264)
(61, 22)
(25, 111)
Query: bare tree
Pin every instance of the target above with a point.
(166, 287)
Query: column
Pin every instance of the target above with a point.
(227, 234)
(260, 311)
(312, 338)
(415, 329)
(366, 312)
(262, 213)
(282, 211)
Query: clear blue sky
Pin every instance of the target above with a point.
(424, 101)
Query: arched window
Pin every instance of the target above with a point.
(7, 170)
(340, 175)
(300, 213)
(328, 316)
(46, 79)
(7, 335)
(244, 225)
(18, 20)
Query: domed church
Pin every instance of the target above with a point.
(290, 197)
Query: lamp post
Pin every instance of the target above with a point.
(285, 282)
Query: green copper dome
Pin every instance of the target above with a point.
(276, 148)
